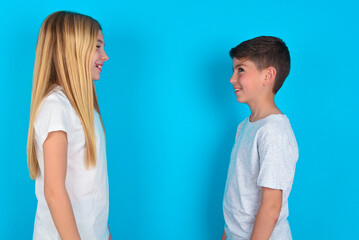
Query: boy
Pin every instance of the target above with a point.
(261, 170)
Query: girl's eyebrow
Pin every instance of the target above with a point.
(99, 40)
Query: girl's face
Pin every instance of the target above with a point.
(99, 57)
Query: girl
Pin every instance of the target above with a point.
(66, 142)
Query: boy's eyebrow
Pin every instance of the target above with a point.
(238, 65)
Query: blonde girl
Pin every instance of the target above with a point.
(66, 150)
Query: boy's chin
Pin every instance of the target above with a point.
(241, 100)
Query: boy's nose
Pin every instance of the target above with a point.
(232, 79)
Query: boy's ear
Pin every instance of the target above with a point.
(271, 73)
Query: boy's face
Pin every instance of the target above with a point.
(247, 81)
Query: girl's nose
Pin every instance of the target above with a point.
(104, 56)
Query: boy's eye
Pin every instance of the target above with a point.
(240, 69)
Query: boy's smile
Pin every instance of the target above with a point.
(247, 80)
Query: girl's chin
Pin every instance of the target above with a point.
(95, 78)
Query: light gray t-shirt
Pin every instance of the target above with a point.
(264, 154)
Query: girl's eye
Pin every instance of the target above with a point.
(98, 46)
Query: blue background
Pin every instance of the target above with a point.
(171, 115)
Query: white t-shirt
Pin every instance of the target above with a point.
(264, 154)
(87, 187)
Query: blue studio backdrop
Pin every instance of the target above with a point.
(170, 113)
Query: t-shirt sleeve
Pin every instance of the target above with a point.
(278, 154)
(53, 115)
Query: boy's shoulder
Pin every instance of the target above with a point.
(276, 131)
(271, 124)
(274, 127)
(274, 123)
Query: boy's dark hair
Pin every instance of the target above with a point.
(265, 51)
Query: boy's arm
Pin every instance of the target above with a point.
(55, 164)
(268, 214)
(224, 237)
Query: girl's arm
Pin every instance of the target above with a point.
(55, 164)
(109, 237)
(268, 214)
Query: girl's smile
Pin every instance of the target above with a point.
(99, 57)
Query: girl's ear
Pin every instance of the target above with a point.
(271, 73)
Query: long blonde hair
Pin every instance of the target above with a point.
(64, 50)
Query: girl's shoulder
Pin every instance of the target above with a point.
(56, 101)
(56, 105)
(55, 114)
(57, 98)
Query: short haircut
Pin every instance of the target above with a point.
(265, 51)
